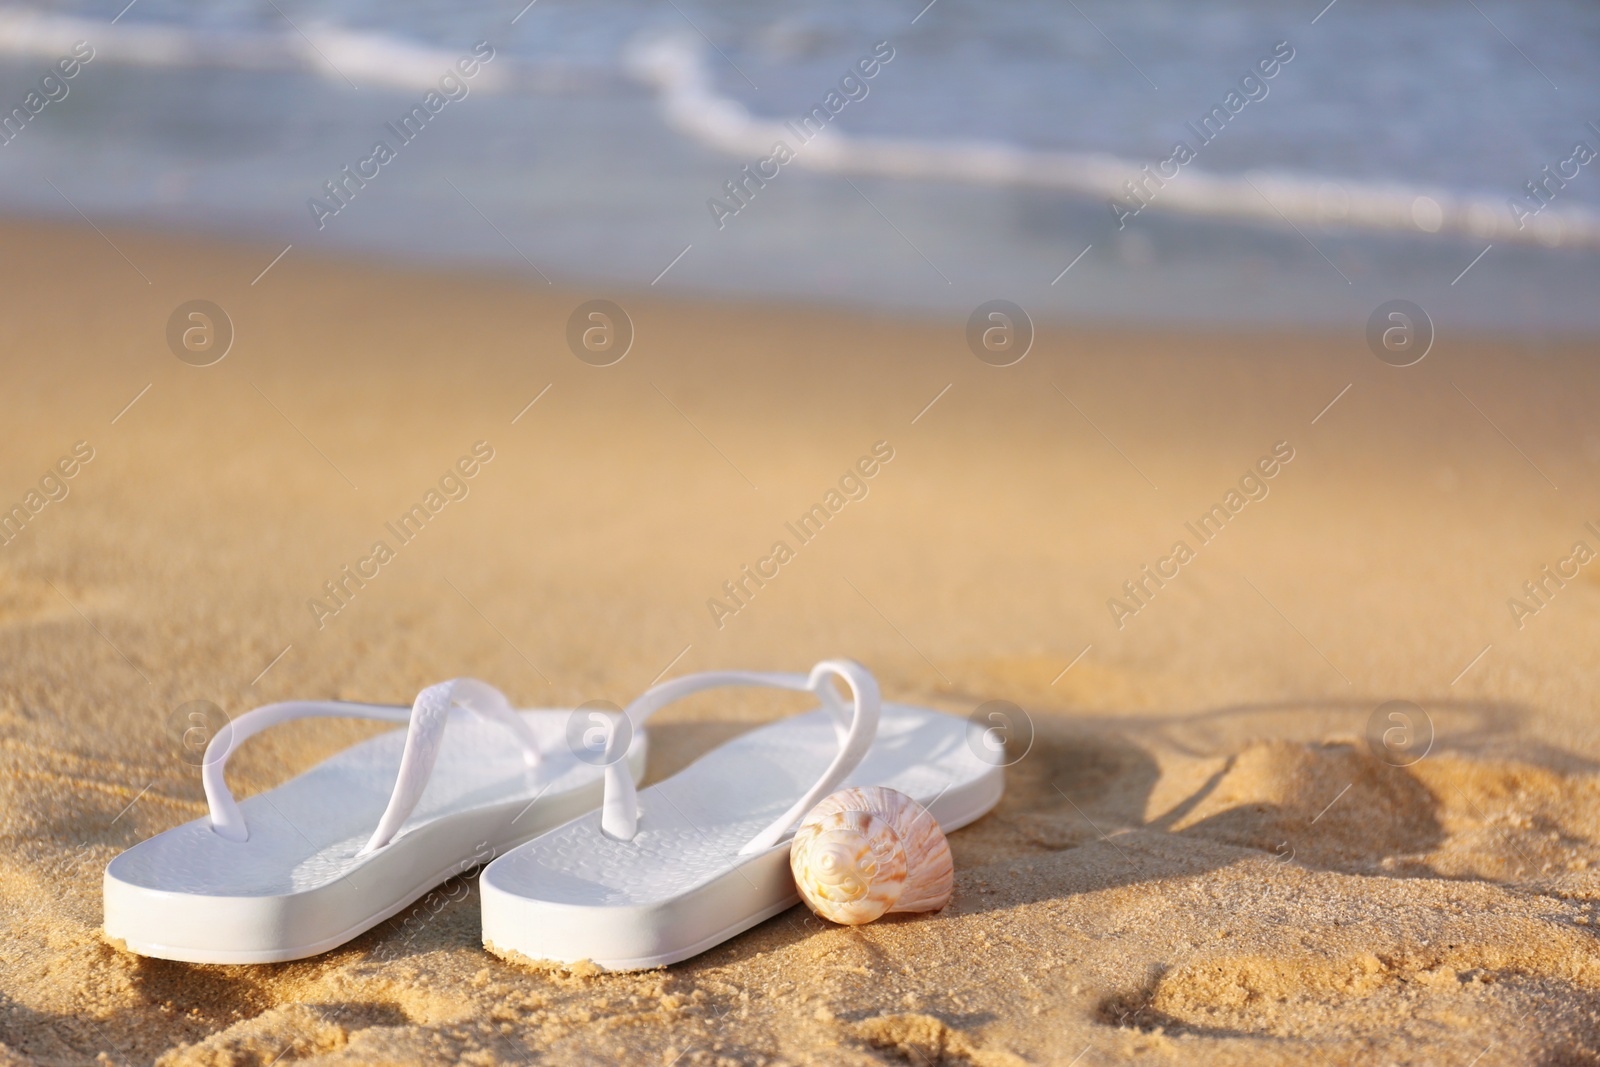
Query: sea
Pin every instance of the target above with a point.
(1164, 163)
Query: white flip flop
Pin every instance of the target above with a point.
(709, 857)
(300, 868)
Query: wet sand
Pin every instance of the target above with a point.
(1202, 855)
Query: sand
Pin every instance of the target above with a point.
(1199, 857)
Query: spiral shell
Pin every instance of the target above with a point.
(862, 853)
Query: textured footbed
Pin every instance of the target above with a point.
(680, 887)
(298, 886)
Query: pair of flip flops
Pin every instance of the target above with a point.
(585, 866)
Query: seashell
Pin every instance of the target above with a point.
(862, 853)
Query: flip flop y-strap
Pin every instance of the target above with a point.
(427, 718)
(619, 812)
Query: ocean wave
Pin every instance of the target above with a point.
(675, 67)
(359, 57)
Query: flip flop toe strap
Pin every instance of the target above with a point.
(854, 727)
(427, 718)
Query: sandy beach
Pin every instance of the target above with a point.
(1201, 856)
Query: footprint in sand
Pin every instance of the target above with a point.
(1456, 888)
(1336, 806)
(926, 1040)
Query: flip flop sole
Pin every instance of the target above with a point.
(299, 886)
(680, 887)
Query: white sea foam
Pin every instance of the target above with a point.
(675, 67)
(342, 54)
